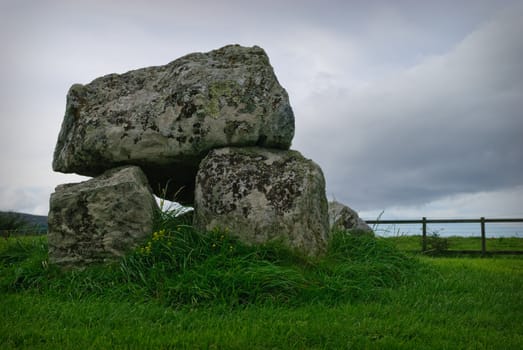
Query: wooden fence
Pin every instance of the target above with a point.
(482, 221)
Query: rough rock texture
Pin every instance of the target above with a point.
(100, 219)
(261, 195)
(165, 119)
(343, 217)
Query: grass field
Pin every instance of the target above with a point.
(364, 295)
(413, 243)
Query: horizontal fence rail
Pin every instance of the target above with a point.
(440, 221)
(481, 221)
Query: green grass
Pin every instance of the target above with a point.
(413, 243)
(180, 267)
(198, 293)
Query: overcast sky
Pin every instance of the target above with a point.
(414, 108)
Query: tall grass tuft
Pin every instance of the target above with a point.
(181, 266)
(23, 263)
(358, 266)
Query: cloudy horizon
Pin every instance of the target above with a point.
(411, 108)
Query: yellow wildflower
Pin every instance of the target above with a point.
(158, 235)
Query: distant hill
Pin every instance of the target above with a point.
(34, 221)
(39, 220)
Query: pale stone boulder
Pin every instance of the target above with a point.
(165, 119)
(262, 195)
(101, 219)
(344, 218)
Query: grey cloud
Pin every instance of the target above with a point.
(27, 200)
(451, 125)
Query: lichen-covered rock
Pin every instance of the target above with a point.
(165, 119)
(262, 195)
(344, 218)
(100, 219)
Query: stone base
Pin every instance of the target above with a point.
(101, 219)
(262, 195)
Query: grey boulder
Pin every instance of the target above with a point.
(262, 195)
(342, 217)
(165, 119)
(101, 219)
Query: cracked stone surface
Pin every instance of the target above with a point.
(165, 119)
(101, 219)
(261, 195)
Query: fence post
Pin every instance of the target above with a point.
(424, 235)
(483, 238)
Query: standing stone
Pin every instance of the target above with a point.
(100, 219)
(165, 119)
(261, 195)
(344, 218)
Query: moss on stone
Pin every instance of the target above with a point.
(220, 89)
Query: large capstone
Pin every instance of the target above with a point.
(101, 219)
(342, 217)
(165, 119)
(262, 195)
